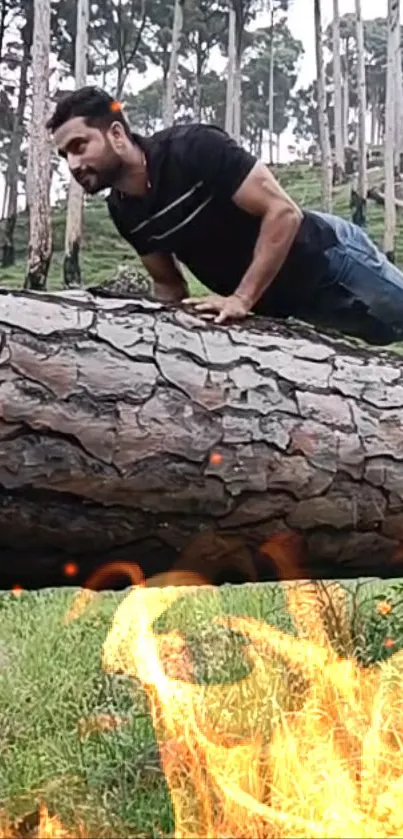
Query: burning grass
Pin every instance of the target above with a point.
(239, 752)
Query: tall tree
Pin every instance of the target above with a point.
(5, 7)
(75, 204)
(169, 109)
(390, 207)
(205, 22)
(274, 6)
(259, 80)
(240, 13)
(326, 156)
(13, 167)
(359, 197)
(229, 107)
(338, 110)
(40, 230)
(398, 106)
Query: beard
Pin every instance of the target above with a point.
(95, 179)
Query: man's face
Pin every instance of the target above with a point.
(90, 153)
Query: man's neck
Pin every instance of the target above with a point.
(134, 178)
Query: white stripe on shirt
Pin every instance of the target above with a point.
(168, 207)
(185, 221)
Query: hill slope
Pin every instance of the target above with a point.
(103, 249)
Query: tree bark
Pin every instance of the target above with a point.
(398, 106)
(177, 27)
(390, 111)
(230, 94)
(338, 102)
(271, 84)
(13, 167)
(127, 427)
(326, 154)
(75, 204)
(359, 214)
(374, 110)
(237, 130)
(40, 230)
(346, 95)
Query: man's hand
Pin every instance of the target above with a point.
(233, 307)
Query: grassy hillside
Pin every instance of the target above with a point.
(104, 249)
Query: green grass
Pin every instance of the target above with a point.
(51, 678)
(103, 248)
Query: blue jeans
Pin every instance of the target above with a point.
(360, 293)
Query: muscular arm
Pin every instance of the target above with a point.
(168, 280)
(233, 174)
(261, 195)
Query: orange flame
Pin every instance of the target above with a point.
(326, 761)
(42, 825)
(333, 766)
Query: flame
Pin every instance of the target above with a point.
(40, 824)
(332, 767)
(327, 762)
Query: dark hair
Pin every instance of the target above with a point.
(98, 108)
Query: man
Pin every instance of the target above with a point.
(189, 194)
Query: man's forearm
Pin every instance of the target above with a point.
(272, 248)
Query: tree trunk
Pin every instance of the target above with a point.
(4, 9)
(169, 115)
(398, 107)
(271, 85)
(390, 209)
(40, 230)
(229, 105)
(326, 154)
(338, 107)
(197, 100)
(75, 204)
(359, 213)
(13, 168)
(128, 427)
(373, 120)
(346, 99)
(237, 99)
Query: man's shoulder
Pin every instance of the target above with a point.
(178, 137)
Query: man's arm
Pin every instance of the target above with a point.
(261, 195)
(235, 175)
(168, 280)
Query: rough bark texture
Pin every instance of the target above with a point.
(326, 154)
(127, 427)
(177, 27)
(338, 105)
(271, 86)
(346, 94)
(390, 111)
(13, 167)
(40, 230)
(359, 217)
(398, 105)
(75, 204)
(229, 104)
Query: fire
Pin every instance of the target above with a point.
(332, 767)
(41, 825)
(326, 760)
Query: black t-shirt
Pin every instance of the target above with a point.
(193, 171)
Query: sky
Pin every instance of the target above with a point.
(301, 23)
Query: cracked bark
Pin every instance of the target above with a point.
(110, 411)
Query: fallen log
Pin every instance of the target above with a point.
(127, 428)
(379, 198)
